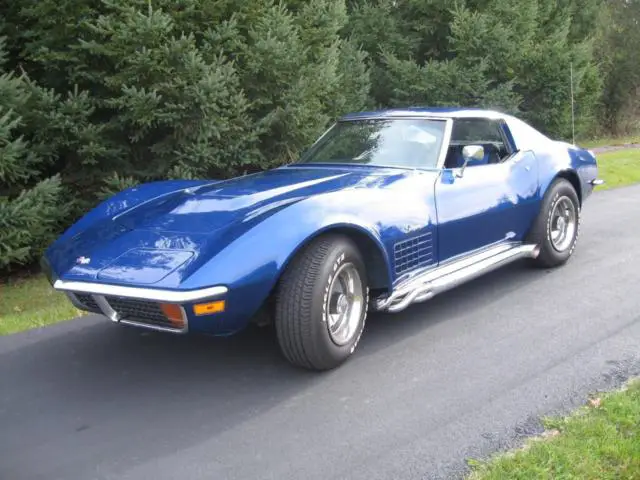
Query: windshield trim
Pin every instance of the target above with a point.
(346, 166)
(446, 138)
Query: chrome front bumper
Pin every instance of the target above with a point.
(140, 307)
(165, 296)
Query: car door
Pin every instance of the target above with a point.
(489, 201)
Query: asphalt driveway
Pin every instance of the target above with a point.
(459, 377)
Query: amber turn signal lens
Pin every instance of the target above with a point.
(174, 313)
(209, 308)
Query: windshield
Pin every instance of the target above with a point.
(410, 143)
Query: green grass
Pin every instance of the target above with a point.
(600, 441)
(618, 168)
(609, 141)
(30, 302)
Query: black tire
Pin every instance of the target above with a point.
(302, 303)
(541, 231)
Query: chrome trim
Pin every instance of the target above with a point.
(470, 152)
(324, 134)
(562, 224)
(185, 318)
(397, 116)
(488, 250)
(446, 141)
(165, 296)
(432, 281)
(596, 182)
(347, 166)
(344, 304)
(108, 311)
(446, 138)
(159, 328)
(106, 308)
(149, 326)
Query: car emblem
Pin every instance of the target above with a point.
(83, 260)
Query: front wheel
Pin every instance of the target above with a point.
(557, 227)
(321, 304)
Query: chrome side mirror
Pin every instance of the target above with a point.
(470, 152)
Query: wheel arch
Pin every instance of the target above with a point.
(550, 255)
(573, 178)
(567, 174)
(370, 247)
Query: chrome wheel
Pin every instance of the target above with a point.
(563, 224)
(345, 304)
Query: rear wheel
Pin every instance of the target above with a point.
(557, 227)
(321, 304)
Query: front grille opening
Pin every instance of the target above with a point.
(142, 311)
(129, 309)
(88, 302)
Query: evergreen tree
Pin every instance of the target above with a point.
(98, 95)
(299, 75)
(393, 32)
(197, 88)
(619, 58)
(564, 40)
(168, 107)
(510, 55)
(29, 202)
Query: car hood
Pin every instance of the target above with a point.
(168, 237)
(210, 207)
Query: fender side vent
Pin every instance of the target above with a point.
(413, 253)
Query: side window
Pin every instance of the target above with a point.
(476, 131)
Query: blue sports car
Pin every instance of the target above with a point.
(385, 209)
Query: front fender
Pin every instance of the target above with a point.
(251, 264)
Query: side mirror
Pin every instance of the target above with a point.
(470, 152)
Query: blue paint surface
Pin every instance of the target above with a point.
(242, 233)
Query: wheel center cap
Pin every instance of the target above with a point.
(343, 303)
(561, 223)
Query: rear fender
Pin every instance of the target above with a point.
(567, 161)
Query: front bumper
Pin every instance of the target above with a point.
(140, 307)
(166, 296)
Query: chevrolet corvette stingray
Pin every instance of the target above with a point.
(386, 209)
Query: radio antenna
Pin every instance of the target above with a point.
(573, 110)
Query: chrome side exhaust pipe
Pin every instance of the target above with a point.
(424, 286)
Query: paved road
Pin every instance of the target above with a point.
(613, 148)
(459, 377)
